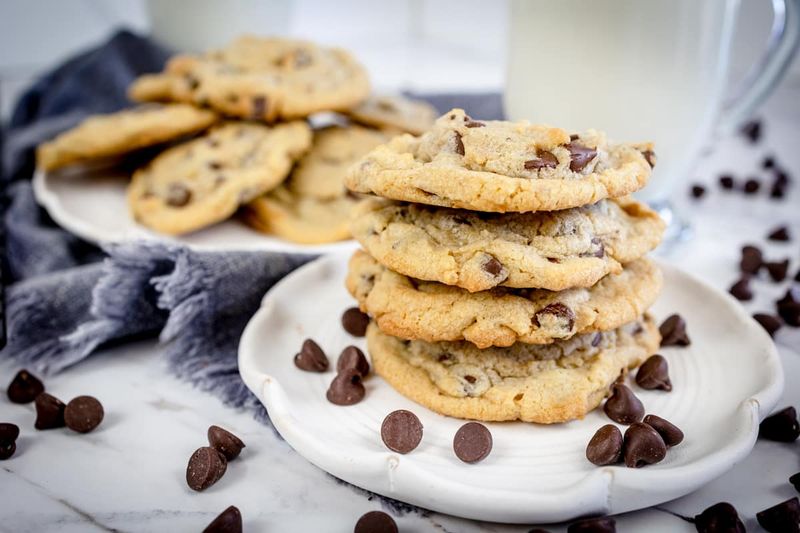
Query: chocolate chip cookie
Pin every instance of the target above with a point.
(499, 166)
(261, 78)
(394, 112)
(430, 311)
(114, 134)
(477, 251)
(534, 383)
(205, 180)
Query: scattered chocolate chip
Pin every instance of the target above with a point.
(311, 358)
(178, 195)
(698, 191)
(83, 414)
(563, 315)
(600, 524)
(795, 480)
(673, 332)
(579, 156)
(650, 157)
(777, 269)
(225, 442)
(777, 191)
(346, 388)
(781, 518)
(654, 374)
(752, 259)
(605, 447)
(494, 268)
(726, 181)
(459, 144)
(598, 337)
(741, 289)
(771, 323)
(752, 131)
(719, 518)
(544, 159)
(49, 412)
(8, 440)
(643, 445)
(623, 406)
(191, 82)
(670, 433)
(751, 186)
(401, 431)
(474, 124)
(355, 322)
(781, 234)
(780, 427)
(206, 467)
(797, 276)
(789, 308)
(574, 137)
(25, 387)
(768, 162)
(599, 248)
(259, 107)
(375, 522)
(472, 442)
(352, 357)
(782, 178)
(228, 521)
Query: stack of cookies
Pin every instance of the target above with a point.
(504, 269)
(238, 121)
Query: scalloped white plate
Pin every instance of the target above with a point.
(724, 384)
(91, 204)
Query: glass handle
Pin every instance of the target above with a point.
(769, 69)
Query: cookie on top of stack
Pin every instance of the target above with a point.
(235, 119)
(504, 267)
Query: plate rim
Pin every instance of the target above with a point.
(593, 491)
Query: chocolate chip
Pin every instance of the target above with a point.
(752, 259)
(726, 181)
(782, 178)
(781, 518)
(768, 162)
(770, 323)
(494, 268)
(472, 442)
(741, 289)
(623, 406)
(346, 388)
(83, 414)
(206, 467)
(777, 269)
(49, 412)
(605, 447)
(375, 522)
(579, 156)
(228, 521)
(191, 82)
(563, 315)
(751, 186)
(673, 332)
(654, 374)
(544, 159)
(352, 357)
(8, 437)
(795, 480)
(459, 144)
(752, 130)
(698, 191)
(650, 157)
(178, 195)
(789, 308)
(259, 107)
(777, 191)
(24, 388)
(311, 358)
(600, 524)
(355, 322)
(670, 433)
(598, 337)
(797, 276)
(474, 124)
(643, 446)
(401, 431)
(719, 518)
(225, 442)
(780, 427)
(781, 234)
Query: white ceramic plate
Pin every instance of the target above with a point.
(724, 384)
(91, 204)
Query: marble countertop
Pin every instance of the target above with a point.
(128, 475)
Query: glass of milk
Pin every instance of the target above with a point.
(639, 70)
